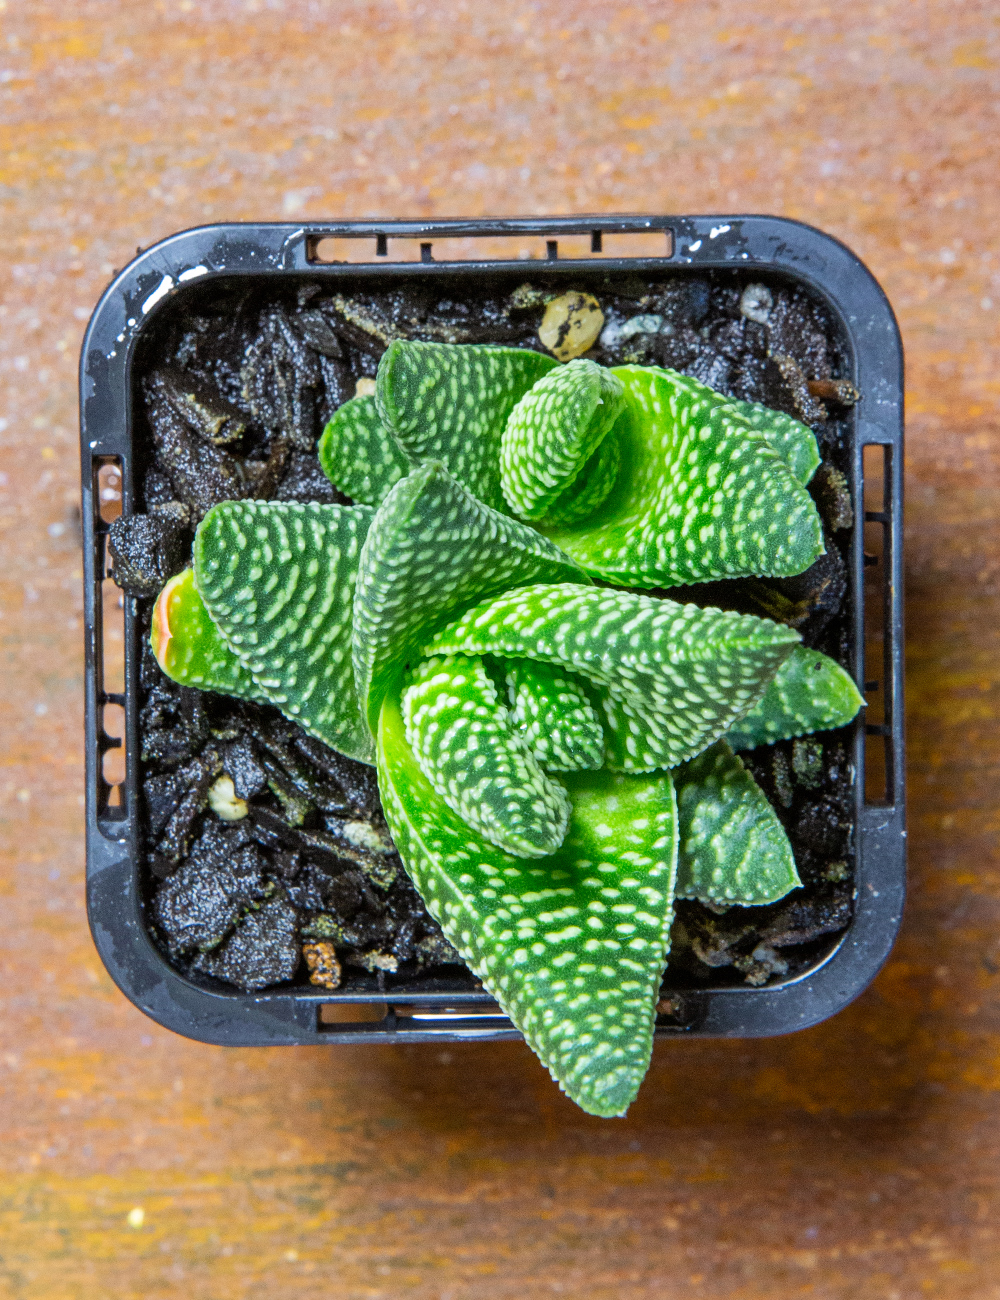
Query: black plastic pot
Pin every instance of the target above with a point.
(434, 1009)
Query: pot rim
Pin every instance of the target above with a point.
(776, 247)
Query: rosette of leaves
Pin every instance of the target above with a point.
(552, 755)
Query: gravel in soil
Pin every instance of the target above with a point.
(305, 884)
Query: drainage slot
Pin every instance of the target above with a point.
(337, 248)
(451, 1015)
(328, 249)
(108, 491)
(113, 743)
(879, 753)
(330, 1016)
(638, 243)
(109, 651)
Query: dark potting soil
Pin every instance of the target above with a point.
(233, 387)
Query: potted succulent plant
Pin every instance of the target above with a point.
(478, 602)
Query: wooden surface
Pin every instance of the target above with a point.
(859, 1158)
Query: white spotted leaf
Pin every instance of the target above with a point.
(733, 848)
(190, 648)
(794, 441)
(811, 692)
(572, 946)
(553, 431)
(278, 580)
(359, 455)
(699, 495)
(552, 709)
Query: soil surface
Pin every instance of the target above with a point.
(233, 388)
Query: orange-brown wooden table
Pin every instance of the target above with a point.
(857, 1159)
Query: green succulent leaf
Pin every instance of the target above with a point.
(589, 489)
(794, 442)
(733, 848)
(811, 692)
(669, 678)
(481, 767)
(189, 647)
(359, 455)
(278, 580)
(551, 707)
(699, 495)
(572, 946)
(450, 404)
(432, 550)
(553, 431)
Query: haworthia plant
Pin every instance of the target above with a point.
(733, 848)
(811, 692)
(483, 768)
(700, 495)
(450, 404)
(667, 679)
(359, 455)
(572, 946)
(278, 581)
(432, 550)
(526, 719)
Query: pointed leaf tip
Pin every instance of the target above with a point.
(733, 847)
(811, 692)
(794, 441)
(189, 647)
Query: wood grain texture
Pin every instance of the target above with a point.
(859, 1158)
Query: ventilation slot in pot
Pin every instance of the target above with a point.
(579, 245)
(423, 1019)
(109, 649)
(332, 1017)
(877, 469)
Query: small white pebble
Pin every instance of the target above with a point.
(366, 837)
(225, 802)
(365, 387)
(649, 324)
(756, 302)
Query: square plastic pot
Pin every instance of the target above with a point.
(435, 1008)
